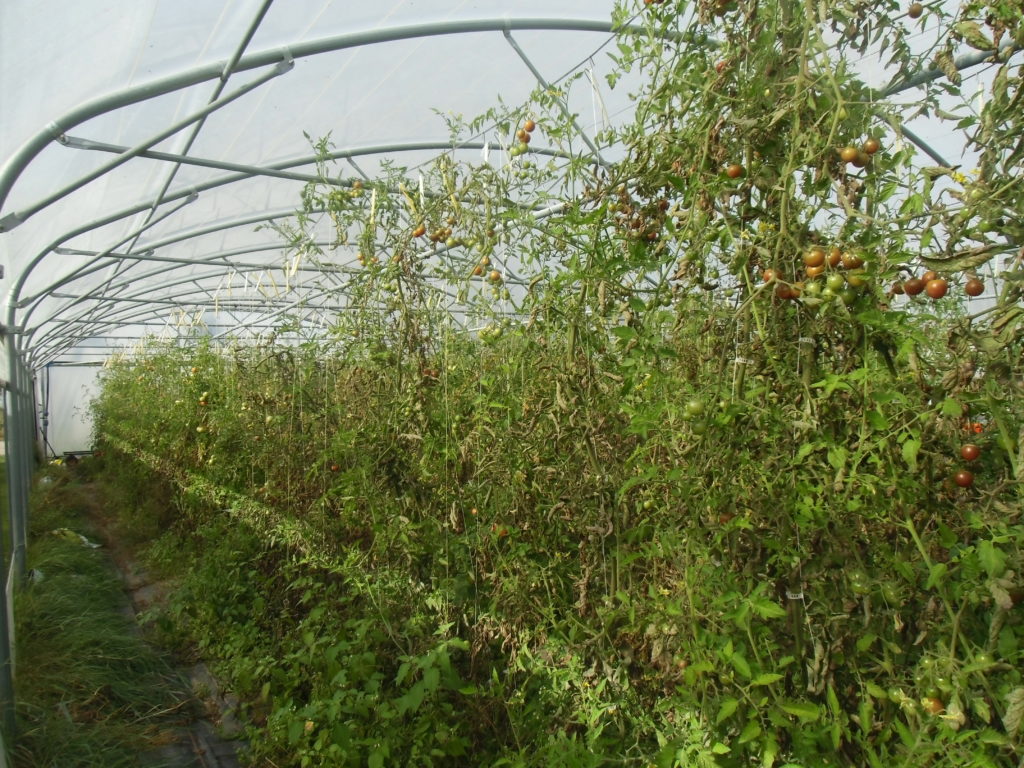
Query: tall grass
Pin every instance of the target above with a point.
(90, 690)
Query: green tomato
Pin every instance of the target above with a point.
(812, 288)
(890, 594)
(849, 296)
(835, 282)
(694, 407)
(859, 582)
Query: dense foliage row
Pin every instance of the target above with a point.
(518, 557)
(726, 478)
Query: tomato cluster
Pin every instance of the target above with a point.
(523, 136)
(860, 156)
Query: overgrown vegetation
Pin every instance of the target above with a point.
(90, 690)
(722, 481)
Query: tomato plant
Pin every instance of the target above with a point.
(640, 578)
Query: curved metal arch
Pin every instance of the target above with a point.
(125, 316)
(11, 170)
(197, 75)
(86, 315)
(100, 302)
(108, 303)
(179, 298)
(213, 260)
(33, 301)
(50, 343)
(282, 60)
(30, 305)
(15, 291)
(963, 62)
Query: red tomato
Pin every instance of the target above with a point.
(936, 288)
(969, 452)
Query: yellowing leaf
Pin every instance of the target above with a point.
(1014, 714)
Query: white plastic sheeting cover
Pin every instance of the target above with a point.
(68, 424)
(53, 59)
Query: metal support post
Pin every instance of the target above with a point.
(19, 443)
(7, 721)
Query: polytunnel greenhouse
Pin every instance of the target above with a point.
(570, 384)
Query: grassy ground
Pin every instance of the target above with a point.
(90, 690)
(4, 524)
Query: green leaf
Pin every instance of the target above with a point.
(910, 450)
(431, 678)
(804, 710)
(833, 702)
(766, 678)
(935, 573)
(1004, 327)
(960, 260)
(973, 36)
(376, 760)
(634, 481)
(992, 559)
(877, 421)
(866, 713)
(719, 748)
(804, 451)
(740, 665)
(726, 710)
(952, 407)
(865, 641)
(679, 183)
(981, 709)
(904, 733)
(837, 456)
(750, 732)
(411, 700)
(624, 332)
(768, 609)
